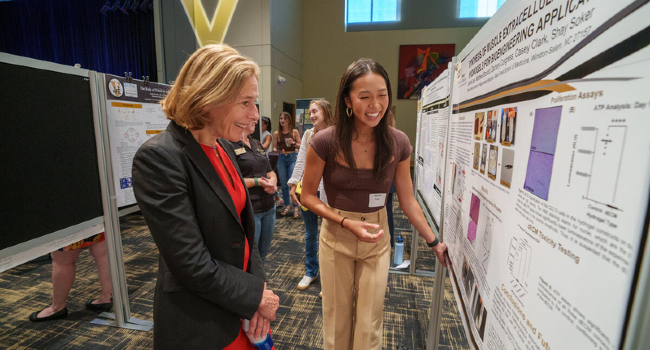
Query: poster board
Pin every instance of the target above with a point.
(51, 193)
(134, 116)
(547, 193)
(432, 143)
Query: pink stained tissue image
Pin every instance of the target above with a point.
(471, 231)
(474, 208)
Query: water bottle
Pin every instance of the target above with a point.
(263, 343)
(399, 250)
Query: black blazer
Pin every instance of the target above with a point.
(202, 291)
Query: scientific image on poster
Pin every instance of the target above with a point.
(492, 163)
(468, 278)
(507, 164)
(476, 307)
(480, 315)
(484, 154)
(508, 121)
(474, 210)
(479, 125)
(477, 155)
(459, 184)
(542, 151)
(491, 128)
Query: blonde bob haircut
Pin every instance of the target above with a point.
(213, 76)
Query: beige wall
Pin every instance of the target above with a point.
(328, 50)
(286, 55)
(250, 33)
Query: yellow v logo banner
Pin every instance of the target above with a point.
(209, 31)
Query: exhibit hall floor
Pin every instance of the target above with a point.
(27, 288)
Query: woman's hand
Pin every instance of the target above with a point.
(294, 198)
(258, 326)
(269, 186)
(269, 304)
(360, 229)
(441, 253)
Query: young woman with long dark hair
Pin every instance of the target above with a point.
(358, 158)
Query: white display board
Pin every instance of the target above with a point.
(433, 121)
(546, 195)
(134, 116)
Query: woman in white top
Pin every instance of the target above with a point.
(320, 113)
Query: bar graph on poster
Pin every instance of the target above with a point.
(546, 191)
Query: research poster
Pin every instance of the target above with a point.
(547, 176)
(134, 116)
(434, 118)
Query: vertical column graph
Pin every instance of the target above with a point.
(519, 261)
(606, 165)
(605, 148)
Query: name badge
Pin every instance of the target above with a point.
(377, 200)
(239, 151)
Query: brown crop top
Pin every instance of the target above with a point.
(286, 142)
(362, 194)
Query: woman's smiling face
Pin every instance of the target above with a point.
(230, 120)
(368, 100)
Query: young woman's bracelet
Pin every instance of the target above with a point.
(434, 243)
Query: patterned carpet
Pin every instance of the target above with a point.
(28, 288)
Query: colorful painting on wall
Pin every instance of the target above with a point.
(419, 65)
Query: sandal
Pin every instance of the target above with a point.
(286, 211)
(296, 213)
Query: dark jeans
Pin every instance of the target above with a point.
(286, 162)
(264, 228)
(311, 242)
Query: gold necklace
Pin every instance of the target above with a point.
(367, 137)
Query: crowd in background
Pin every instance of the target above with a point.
(209, 195)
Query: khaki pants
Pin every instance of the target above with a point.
(352, 268)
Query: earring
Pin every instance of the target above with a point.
(348, 111)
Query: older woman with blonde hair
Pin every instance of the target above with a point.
(194, 199)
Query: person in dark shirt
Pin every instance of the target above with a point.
(358, 157)
(261, 183)
(286, 140)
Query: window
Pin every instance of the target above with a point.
(479, 8)
(366, 11)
